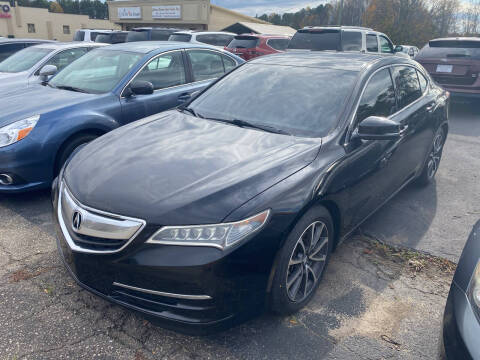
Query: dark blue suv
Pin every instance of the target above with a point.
(41, 126)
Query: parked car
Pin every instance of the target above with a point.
(37, 63)
(89, 35)
(454, 63)
(249, 46)
(200, 215)
(150, 33)
(461, 321)
(342, 38)
(9, 47)
(108, 87)
(411, 51)
(219, 39)
(114, 37)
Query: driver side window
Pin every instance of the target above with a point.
(385, 45)
(164, 71)
(378, 98)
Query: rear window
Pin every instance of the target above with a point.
(137, 35)
(79, 35)
(161, 35)
(278, 44)
(180, 37)
(243, 42)
(104, 38)
(321, 39)
(451, 49)
(215, 39)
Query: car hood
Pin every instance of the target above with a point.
(177, 169)
(37, 100)
(5, 76)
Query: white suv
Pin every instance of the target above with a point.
(88, 35)
(219, 39)
(342, 38)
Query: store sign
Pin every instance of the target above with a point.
(129, 13)
(167, 12)
(5, 12)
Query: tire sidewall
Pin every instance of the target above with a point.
(71, 148)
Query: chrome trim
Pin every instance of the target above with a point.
(161, 293)
(96, 230)
(350, 125)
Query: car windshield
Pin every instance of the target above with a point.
(97, 72)
(286, 98)
(23, 59)
(451, 49)
(180, 37)
(316, 39)
(137, 35)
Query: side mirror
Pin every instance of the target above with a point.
(47, 71)
(398, 48)
(379, 128)
(141, 87)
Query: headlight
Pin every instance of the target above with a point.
(17, 131)
(474, 290)
(218, 235)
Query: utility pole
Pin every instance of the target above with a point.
(340, 13)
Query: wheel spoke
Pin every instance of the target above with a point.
(309, 269)
(296, 285)
(294, 277)
(305, 282)
(295, 261)
(324, 242)
(316, 235)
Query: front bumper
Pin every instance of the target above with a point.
(194, 290)
(460, 328)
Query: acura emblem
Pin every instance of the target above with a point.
(77, 220)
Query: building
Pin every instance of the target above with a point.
(29, 22)
(183, 14)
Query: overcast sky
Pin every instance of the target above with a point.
(259, 7)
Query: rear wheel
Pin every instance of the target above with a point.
(433, 160)
(70, 147)
(302, 261)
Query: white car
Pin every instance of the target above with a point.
(219, 39)
(411, 51)
(89, 35)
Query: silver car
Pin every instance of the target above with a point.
(37, 63)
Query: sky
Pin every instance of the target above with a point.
(260, 7)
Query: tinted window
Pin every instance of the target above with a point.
(104, 38)
(278, 44)
(423, 81)
(243, 42)
(408, 86)
(352, 41)
(160, 35)
(180, 37)
(323, 39)
(385, 45)
(215, 39)
(228, 63)
(451, 49)
(378, 98)
(79, 35)
(64, 58)
(283, 97)
(8, 49)
(24, 59)
(93, 35)
(137, 36)
(206, 64)
(164, 71)
(372, 43)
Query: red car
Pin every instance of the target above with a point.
(454, 63)
(249, 46)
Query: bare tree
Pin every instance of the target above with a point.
(444, 14)
(469, 18)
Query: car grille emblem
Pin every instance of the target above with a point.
(77, 220)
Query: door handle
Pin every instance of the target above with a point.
(430, 107)
(184, 97)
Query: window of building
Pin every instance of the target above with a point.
(31, 28)
(66, 29)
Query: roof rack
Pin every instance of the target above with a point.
(340, 27)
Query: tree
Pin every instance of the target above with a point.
(55, 7)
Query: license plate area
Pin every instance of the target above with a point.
(444, 69)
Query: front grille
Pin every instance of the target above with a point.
(94, 231)
(454, 80)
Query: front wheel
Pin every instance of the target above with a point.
(70, 148)
(302, 261)
(432, 163)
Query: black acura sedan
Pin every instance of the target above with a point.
(200, 216)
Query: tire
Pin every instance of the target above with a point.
(69, 148)
(432, 163)
(289, 294)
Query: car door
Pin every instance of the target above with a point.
(167, 74)
(360, 179)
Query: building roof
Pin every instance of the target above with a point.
(247, 27)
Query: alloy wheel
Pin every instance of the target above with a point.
(435, 155)
(307, 261)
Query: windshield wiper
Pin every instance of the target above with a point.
(191, 111)
(71, 88)
(246, 124)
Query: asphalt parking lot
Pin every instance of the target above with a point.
(375, 301)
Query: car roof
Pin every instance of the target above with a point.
(68, 45)
(146, 47)
(265, 36)
(190, 32)
(339, 27)
(465, 38)
(154, 28)
(8, 40)
(330, 59)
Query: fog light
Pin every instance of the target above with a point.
(6, 179)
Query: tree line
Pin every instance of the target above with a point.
(95, 9)
(405, 21)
